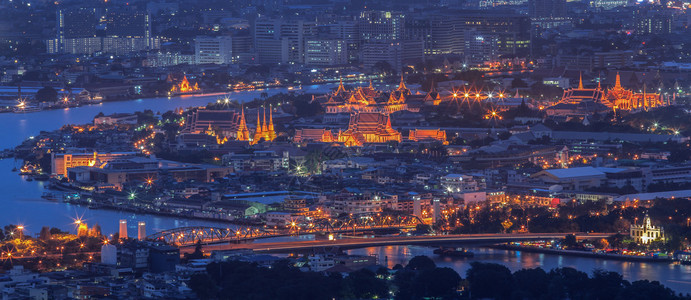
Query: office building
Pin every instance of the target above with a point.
(326, 52)
(282, 40)
(378, 26)
(213, 50)
(123, 229)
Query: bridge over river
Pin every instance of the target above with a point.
(350, 243)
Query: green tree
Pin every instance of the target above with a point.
(489, 280)
(421, 263)
(47, 94)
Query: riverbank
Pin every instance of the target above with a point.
(583, 254)
(203, 93)
(190, 217)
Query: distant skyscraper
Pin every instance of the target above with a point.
(282, 40)
(326, 52)
(381, 26)
(76, 23)
(417, 207)
(130, 23)
(436, 207)
(213, 50)
(115, 31)
(123, 229)
(547, 8)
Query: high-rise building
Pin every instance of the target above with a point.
(115, 31)
(282, 40)
(213, 50)
(389, 52)
(436, 210)
(381, 26)
(326, 52)
(547, 8)
(129, 22)
(480, 48)
(141, 230)
(653, 21)
(511, 30)
(348, 31)
(76, 23)
(123, 229)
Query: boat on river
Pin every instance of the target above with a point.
(51, 196)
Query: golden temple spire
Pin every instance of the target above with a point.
(401, 86)
(243, 133)
(271, 134)
(617, 82)
(370, 85)
(264, 127)
(341, 88)
(580, 81)
(259, 125)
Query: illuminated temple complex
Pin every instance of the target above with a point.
(367, 99)
(184, 86)
(367, 127)
(624, 99)
(583, 101)
(227, 125)
(221, 124)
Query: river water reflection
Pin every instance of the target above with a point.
(676, 277)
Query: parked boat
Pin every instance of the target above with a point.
(51, 196)
(42, 177)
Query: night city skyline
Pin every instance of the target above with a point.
(345, 149)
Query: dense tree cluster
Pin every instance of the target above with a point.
(493, 281)
(420, 279)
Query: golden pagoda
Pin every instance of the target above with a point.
(243, 131)
(266, 130)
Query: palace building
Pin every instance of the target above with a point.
(368, 127)
(421, 135)
(623, 99)
(369, 100)
(313, 135)
(587, 101)
(581, 102)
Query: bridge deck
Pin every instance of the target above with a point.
(393, 240)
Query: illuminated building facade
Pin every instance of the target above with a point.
(623, 99)
(581, 101)
(222, 124)
(646, 232)
(313, 135)
(418, 135)
(369, 128)
(367, 99)
(60, 162)
(264, 130)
